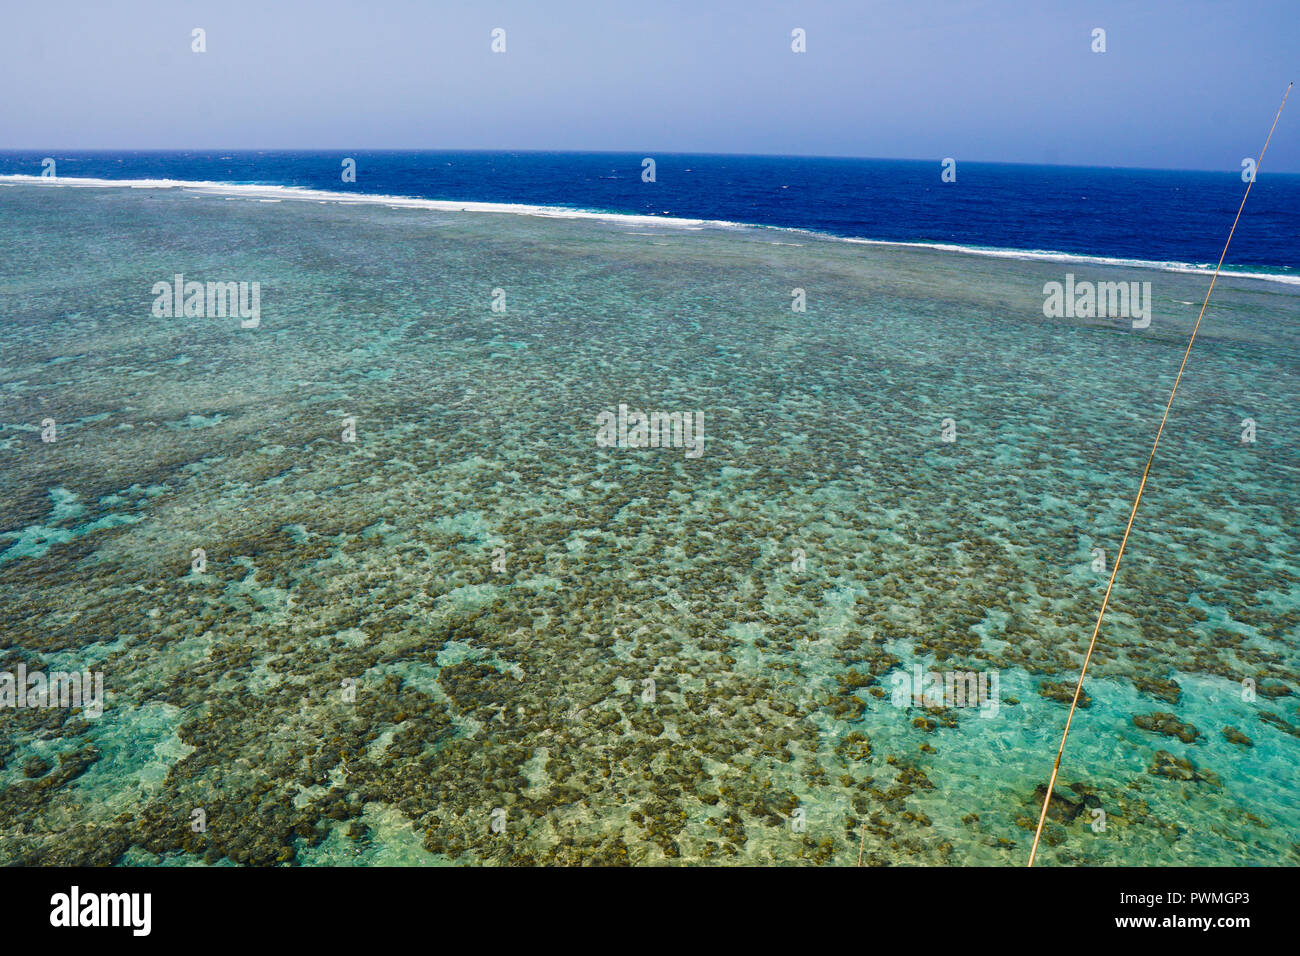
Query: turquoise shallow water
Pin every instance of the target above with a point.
(827, 539)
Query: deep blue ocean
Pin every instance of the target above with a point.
(1158, 215)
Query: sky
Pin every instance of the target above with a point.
(1183, 84)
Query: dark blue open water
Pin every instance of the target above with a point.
(1159, 215)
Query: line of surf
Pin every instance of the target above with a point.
(268, 191)
(1048, 255)
(273, 191)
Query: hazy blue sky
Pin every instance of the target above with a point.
(1183, 84)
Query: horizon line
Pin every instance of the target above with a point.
(621, 152)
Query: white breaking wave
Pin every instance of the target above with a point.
(1048, 255)
(257, 191)
(273, 192)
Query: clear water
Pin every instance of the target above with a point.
(523, 690)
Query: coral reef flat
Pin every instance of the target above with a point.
(476, 636)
